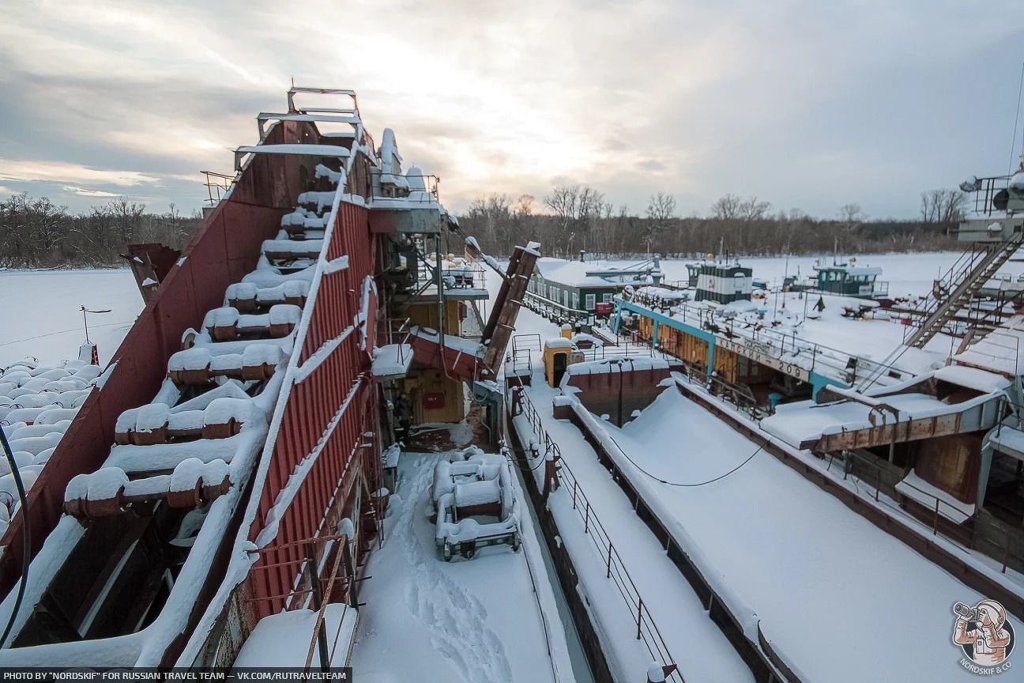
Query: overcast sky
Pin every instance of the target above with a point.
(806, 104)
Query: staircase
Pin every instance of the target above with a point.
(957, 288)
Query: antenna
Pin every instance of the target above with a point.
(1016, 120)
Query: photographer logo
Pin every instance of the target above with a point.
(985, 635)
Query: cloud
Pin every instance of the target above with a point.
(805, 104)
(29, 170)
(83, 192)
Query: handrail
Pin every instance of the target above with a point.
(808, 356)
(216, 182)
(615, 569)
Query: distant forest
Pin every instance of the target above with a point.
(36, 233)
(577, 217)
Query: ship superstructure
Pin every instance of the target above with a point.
(230, 464)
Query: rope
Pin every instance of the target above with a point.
(685, 484)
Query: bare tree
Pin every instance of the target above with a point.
(661, 209)
(942, 206)
(577, 208)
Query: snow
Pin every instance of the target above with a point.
(296, 148)
(46, 303)
(797, 423)
(103, 484)
(294, 246)
(1001, 350)
(972, 378)
(321, 199)
(460, 344)
(764, 522)
(223, 410)
(284, 639)
(1008, 439)
(188, 473)
(197, 358)
(390, 455)
(221, 317)
(151, 416)
(454, 620)
(558, 343)
(626, 364)
(392, 360)
(333, 176)
(700, 648)
(284, 314)
(914, 487)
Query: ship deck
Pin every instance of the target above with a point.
(491, 618)
(789, 556)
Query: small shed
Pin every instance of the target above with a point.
(721, 282)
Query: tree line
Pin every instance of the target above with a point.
(574, 218)
(36, 233)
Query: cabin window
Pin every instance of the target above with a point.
(590, 301)
(606, 297)
(576, 300)
(565, 298)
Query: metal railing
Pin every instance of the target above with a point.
(935, 504)
(453, 276)
(309, 587)
(397, 332)
(552, 310)
(785, 348)
(615, 569)
(983, 193)
(217, 184)
(431, 185)
(629, 349)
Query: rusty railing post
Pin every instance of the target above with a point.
(314, 583)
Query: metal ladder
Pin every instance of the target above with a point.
(961, 283)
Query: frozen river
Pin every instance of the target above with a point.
(40, 316)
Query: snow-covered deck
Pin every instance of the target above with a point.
(492, 618)
(802, 564)
(702, 651)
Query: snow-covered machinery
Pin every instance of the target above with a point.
(475, 503)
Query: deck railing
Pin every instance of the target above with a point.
(615, 569)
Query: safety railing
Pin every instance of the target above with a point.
(310, 588)
(848, 460)
(629, 349)
(396, 331)
(217, 184)
(982, 194)
(454, 275)
(425, 188)
(783, 347)
(615, 569)
(553, 310)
